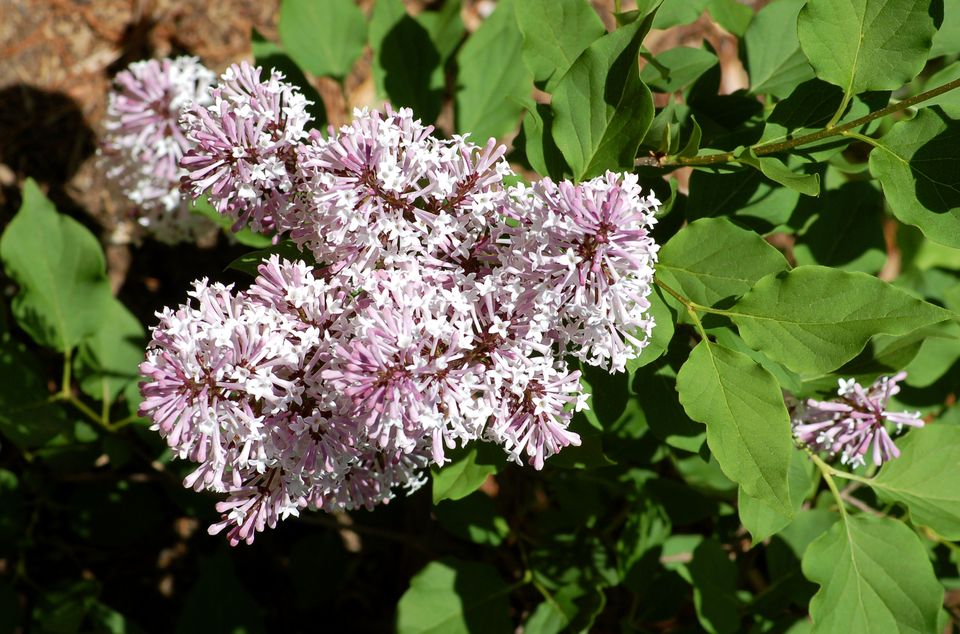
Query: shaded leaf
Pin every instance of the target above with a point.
(455, 597)
(748, 428)
(406, 64)
(916, 162)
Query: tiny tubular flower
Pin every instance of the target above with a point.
(855, 424)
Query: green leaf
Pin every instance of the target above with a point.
(863, 45)
(848, 232)
(406, 64)
(211, 604)
(541, 150)
(732, 15)
(775, 170)
(926, 478)
(60, 269)
(28, 418)
(493, 83)
(250, 262)
(743, 194)
(473, 518)
(774, 59)
(714, 579)
(813, 319)
(677, 12)
(748, 427)
(465, 473)
(555, 32)
(573, 608)
(947, 39)
(324, 38)
(445, 27)
(455, 597)
(656, 388)
(692, 145)
(245, 236)
(874, 576)
(712, 258)
(601, 108)
(916, 164)
(764, 521)
(108, 361)
(677, 68)
(662, 332)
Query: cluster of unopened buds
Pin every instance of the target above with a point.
(854, 425)
(435, 305)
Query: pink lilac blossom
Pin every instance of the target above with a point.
(440, 311)
(144, 142)
(856, 423)
(245, 145)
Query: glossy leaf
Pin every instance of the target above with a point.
(555, 32)
(108, 360)
(712, 258)
(601, 108)
(59, 267)
(748, 428)
(324, 38)
(916, 164)
(464, 474)
(813, 319)
(775, 170)
(493, 82)
(455, 597)
(863, 45)
(763, 520)
(677, 68)
(926, 478)
(774, 59)
(874, 576)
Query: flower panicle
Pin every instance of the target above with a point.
(435, 307)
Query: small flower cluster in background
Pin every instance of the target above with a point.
(440, 310)
(144, 141)
(855, 423)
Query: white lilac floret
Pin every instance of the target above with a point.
(440, 310)
(143, 142)
(855, 424)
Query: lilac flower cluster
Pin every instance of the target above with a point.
(854, 422)
(437, 309)
(144, 142)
